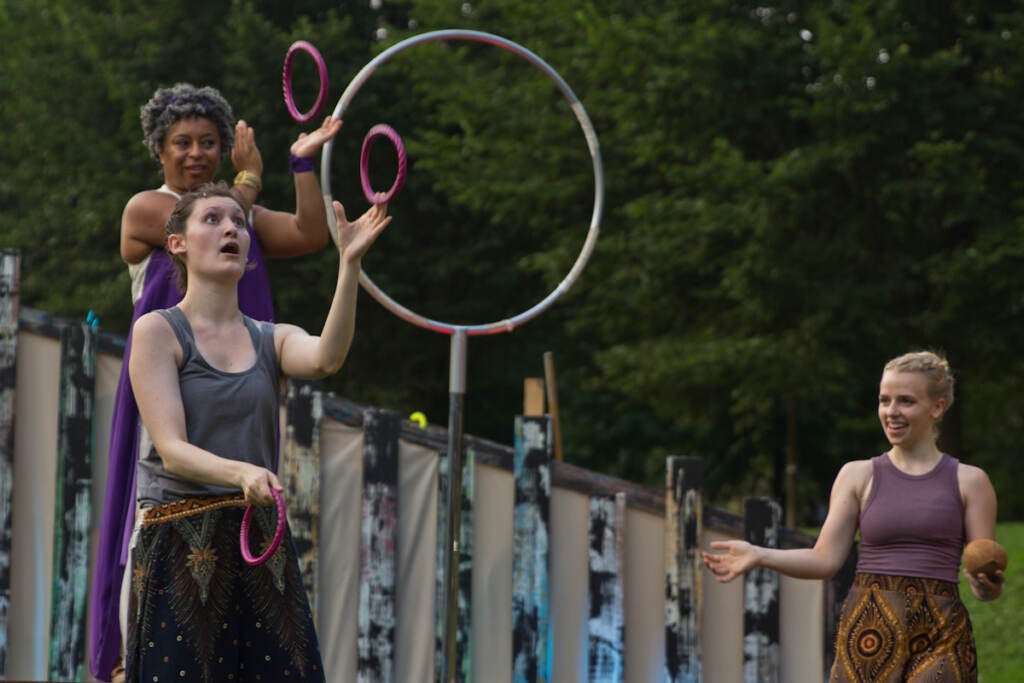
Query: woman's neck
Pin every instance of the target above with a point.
(175, 189)
(211, 302)
(918, 459)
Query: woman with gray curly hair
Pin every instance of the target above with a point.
(190, 131)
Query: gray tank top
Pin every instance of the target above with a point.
(231, 414)
(912, 525)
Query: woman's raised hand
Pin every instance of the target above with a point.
(309, 144)
(245, 155)
(355, 238)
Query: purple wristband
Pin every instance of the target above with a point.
(301, 164)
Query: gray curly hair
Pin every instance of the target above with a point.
(167, 106)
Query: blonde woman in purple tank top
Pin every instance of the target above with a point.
(915, 508)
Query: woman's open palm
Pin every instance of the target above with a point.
(355, 238)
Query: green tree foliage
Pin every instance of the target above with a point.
(75, 76)
(794, 193)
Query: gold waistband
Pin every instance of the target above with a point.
(168, 512)
(905, 584)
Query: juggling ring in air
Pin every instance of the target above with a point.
(589, 243)
(286, 81)
(386, 131)
(243, 535)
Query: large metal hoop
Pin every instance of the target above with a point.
(595, 154)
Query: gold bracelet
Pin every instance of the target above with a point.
(249, 179)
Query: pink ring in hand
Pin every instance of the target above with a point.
(278, 534)
(382, 130)
(286, 79)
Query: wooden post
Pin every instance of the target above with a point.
(461, 670)
(73, 503)
(379, 553)
(763, 524)
(533, 397)
(10, 270)
(606, 631)
(684, 507)
(300, 475)
(552, 394)
(531, 628)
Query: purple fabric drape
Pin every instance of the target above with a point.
(159, 291)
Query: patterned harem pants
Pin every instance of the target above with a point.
(895, 629)
(198, 612)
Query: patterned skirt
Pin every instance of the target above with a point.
(895, 629)
(198, 612)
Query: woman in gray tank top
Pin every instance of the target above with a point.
(190, 131)
(206, 378)
(915, 508)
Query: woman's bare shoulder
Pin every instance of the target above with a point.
(150, 200)
(971, 475)
(854, 477)
(151, 323)
(856, 469)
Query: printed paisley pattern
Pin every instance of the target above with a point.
(200, 613)
(896, 629)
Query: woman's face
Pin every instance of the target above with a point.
(216, 239)
(906, 410)
(191, 153)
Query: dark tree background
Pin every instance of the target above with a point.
(795, 193)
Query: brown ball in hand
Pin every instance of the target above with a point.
(985, 555)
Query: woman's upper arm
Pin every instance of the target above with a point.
(297, 352)
(979, 499)
(840, 527)
(281, 236)
(153, 369)
(143, 225)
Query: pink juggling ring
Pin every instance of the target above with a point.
(278, 534)
(289, 96)
(386, 131)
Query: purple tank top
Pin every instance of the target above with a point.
(912, 525)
